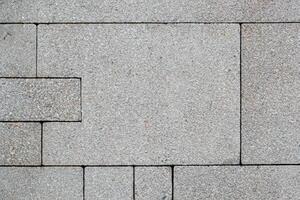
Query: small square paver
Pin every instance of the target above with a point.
(20, 143)
(41, 183)
(153, 183)
(151, 94)
(271, 93)
(235, 182)
(17, 50)
(113, 183)
(40, 99)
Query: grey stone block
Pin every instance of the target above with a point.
(111, 183)
(40, 99)
(235, 182)
(153, 11)
(271, 93)
(153, 183)
(17, 50)
(20, 143)
(152, 94)
(41, 183)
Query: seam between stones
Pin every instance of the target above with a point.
(83, 182)
(241, 104)
(36, 50)
(133, 182)
(42, 142)
(81, 100)
(177, 165)
(34, 121)
(162, 22)
(172, 182)
(40, 77)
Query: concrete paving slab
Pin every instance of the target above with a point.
(153, 183)
(235, 182)
(271, 94)
(111, 183)
(17, 50)
(40, 99)
(150, 11)
(20, 143)
(152, 94)
(41, 183)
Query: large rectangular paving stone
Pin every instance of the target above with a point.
(20, 143)
(17, 50)
(236, 182)
(271, 93)
(41, 183)
(150, 11)
(40, 99)
(153, 183)
(113, 183)
(152, 94)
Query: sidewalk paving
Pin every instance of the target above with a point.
(149, 100)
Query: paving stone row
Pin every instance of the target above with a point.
(174, 64)
(149, 11)
(115, 183)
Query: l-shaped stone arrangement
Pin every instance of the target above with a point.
(149, 100)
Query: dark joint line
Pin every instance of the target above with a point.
(40, 78)
(172, 166)
(241, 104)
(39, 121)
(133, 181)
(162, 22)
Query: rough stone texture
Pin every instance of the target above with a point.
(20, 143)
(152, 94)
(152, 183)
(249, 183)
(17, 50)
(153, 11)
(158, 86)
(40, 100)
(113, 183)
(271, 93)
(41, 183)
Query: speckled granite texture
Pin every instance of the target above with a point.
(149, 100)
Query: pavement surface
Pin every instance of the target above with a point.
(149, 100)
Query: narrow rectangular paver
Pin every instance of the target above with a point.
(153, 183)
(17, 50)
(271, 93)
(150, 11)
(235, 182)
(20, 143)
(113, 183)
(40, 99)
(152, 94)
(41, 183)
